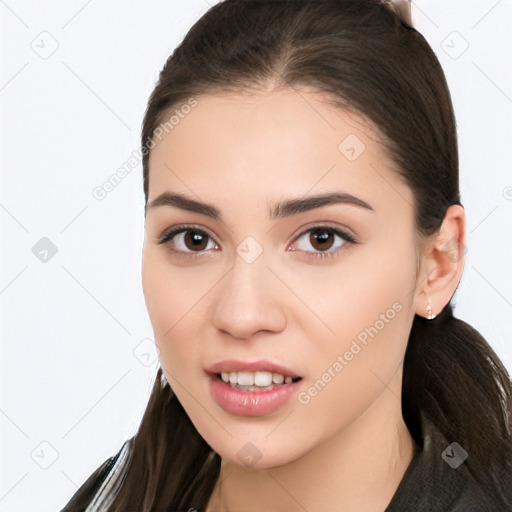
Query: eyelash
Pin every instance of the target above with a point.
(167, 237)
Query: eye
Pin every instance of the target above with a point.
(188, 240)
(325, 240)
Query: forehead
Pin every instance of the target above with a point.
(275, 143)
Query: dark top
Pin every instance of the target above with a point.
(437, 480)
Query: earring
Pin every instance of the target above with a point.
(430, 315)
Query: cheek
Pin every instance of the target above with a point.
(366, 288)
(176, 308)
(177, 316)
(165, 291)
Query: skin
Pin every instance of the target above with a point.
(348, 447)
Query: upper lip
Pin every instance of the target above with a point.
(235, 365)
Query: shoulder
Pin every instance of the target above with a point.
(437, 480)
(98, 491)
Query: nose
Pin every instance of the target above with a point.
(248, 300)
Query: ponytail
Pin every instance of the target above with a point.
(452, 376)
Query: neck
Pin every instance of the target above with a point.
(358, 469)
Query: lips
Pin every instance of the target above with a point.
(244, 388)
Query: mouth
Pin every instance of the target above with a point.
(251, 388)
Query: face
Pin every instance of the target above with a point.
(255, 287)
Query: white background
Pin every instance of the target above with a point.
(73, 373)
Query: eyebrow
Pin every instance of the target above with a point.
(281, 210)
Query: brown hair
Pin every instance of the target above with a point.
(367, 60)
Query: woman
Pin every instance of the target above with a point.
(304, 238)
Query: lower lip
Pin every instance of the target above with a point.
(250, 403)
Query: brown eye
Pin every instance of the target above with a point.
(195, 241)
(321, 239)
(188, 241)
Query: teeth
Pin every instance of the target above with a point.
(246, 378)
(263, 379)
(258, 379)
(277, 378)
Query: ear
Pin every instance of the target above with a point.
(442, 263)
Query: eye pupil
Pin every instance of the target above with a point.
(197, 240)
(321, 236)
